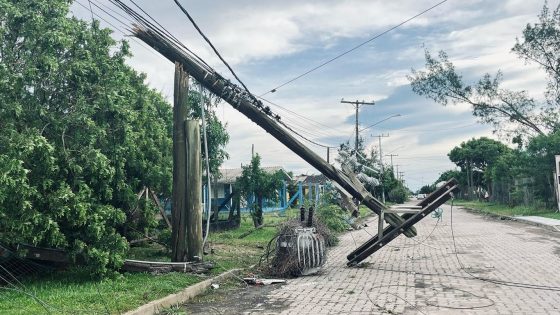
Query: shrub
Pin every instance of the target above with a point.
(398, 194)
(333, 217)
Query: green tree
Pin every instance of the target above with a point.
(256, 185)
(449, 174)
(426, 189)
(399, 194)
(216, 131)
(474, 157)
(81, 135)
(492, 104)
(539, 164)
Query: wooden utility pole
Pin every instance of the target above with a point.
(357, 104)
(391, 155)
(178, 212)
(194, 190)
(247, 106)
(382, 167)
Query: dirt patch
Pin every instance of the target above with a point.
(235, 298)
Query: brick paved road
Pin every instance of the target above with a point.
(412, 278)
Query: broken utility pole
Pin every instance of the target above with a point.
(178, 211)
(248, 105)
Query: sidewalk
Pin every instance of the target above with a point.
(553, 223)
(423, 276)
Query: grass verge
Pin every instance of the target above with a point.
(504, 210)
(75, 292)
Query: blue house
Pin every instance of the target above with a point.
(224, 187)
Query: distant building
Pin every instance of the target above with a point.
(224, 187)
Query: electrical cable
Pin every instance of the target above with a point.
(303, 130)
(352, 49)
(118, 29)
(494, 281)
(304, 137)
(90, 10)
(101, 18)
(299, 115)
(207, 162)
(170, 35)
(212, 46)
(109, 14)
(20, 288)
(159, 30)
(162, 33)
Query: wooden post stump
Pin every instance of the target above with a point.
(194, 191)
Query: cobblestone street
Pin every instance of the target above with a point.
(422, 275)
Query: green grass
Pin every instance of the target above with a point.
(500, 209)
(75, 292)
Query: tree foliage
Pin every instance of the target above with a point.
(475, 157)
(512, 113)
(426, 189)
(81, 135)
(256, 185)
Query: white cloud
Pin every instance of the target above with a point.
(292, 36)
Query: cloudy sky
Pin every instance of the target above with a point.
(270, 42)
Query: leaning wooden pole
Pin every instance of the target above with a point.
(179, 210)
(194, 191)
(252, 108)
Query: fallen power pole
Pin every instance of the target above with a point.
(252, 108)
(246, 103)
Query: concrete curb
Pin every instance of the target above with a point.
(177, 298)
(503, 217)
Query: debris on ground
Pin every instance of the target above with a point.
(259, 281)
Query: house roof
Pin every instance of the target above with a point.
(311, 179)
(230, 175)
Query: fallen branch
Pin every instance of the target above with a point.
(163, 267)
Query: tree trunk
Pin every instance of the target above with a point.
(259, 212)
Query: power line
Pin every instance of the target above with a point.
(299, 115)
(116, 28)
(159, 29)
(304, 130)
(352, 49)
(412, 130)
(212, 46)
(233, 72)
